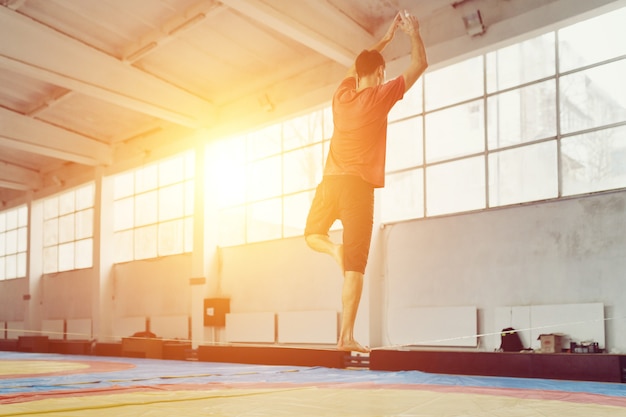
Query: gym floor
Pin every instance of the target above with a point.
(34, 384)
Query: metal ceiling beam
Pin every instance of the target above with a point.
(40, 52)
(292, 28)
(27, 134)
(18, 178)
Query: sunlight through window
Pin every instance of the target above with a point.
(153, 209)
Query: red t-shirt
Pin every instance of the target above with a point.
(359, 141)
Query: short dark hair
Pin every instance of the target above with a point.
(368, 62)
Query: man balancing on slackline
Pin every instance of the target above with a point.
(356, 164)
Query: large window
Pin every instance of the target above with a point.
(68, 230)
(536, 120)
(267, 178)
(153, 209)
(13, 242)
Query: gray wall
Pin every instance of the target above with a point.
(565, 252)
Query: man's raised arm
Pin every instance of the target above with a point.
(419, 62)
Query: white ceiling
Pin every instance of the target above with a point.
(93, 84)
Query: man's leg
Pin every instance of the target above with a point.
(357, 214)
(322, 243)
(350, 293)
(350, 298)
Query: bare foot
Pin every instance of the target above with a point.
(352, 346)
(338, 255)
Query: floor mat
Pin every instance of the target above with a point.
(67, 385)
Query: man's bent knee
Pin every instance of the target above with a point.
(309, 239)
(315, 240)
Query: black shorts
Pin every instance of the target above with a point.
(351, 200)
